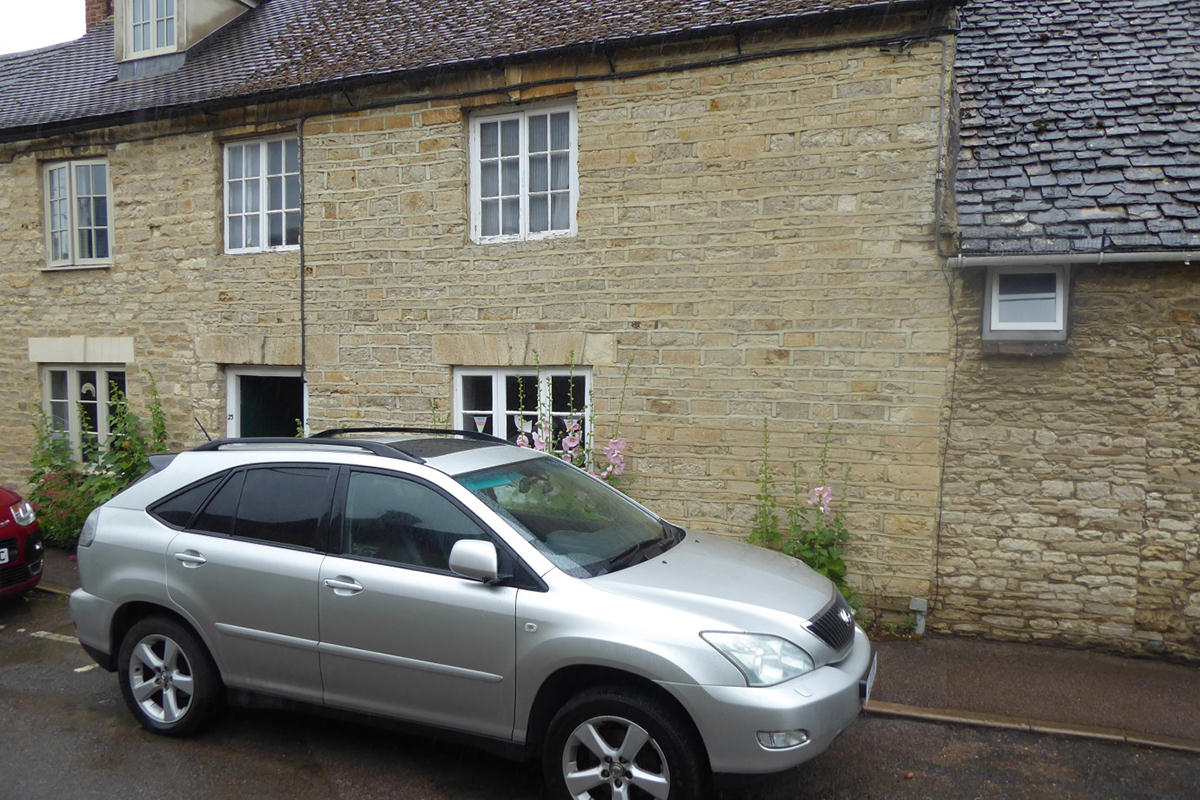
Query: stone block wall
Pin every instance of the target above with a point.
(1071, 482)
(188, 308)
(754, 240)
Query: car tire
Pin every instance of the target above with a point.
(616, 742)
(168, 678)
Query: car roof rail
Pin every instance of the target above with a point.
(377, 448)
(476, 435)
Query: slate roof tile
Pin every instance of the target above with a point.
(1104, 100)
(295, 45)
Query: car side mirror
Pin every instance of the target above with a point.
(474, 558)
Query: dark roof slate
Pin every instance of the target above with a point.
(1080, 126)
(290, 45)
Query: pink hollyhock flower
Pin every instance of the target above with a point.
(614, 451)
(821, 497)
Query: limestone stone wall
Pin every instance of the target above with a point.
(188, 308)
(755, 240)
(1071, 482)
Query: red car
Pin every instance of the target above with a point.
(20, 545)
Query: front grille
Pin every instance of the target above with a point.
(14, 555)
(14, 574)
(835, 624)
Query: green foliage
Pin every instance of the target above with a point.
(817, 532)
(63, 491)
(51, 450)
(127, 454)
(158, 418)
(765, 529)
(816, 527)
(440, 417)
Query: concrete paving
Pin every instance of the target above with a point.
(1042, 688)
(1038, 688)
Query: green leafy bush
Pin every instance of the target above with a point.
(765, 528)
(816, 526)
(63, 491)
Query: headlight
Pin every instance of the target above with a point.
(764, 660)
(23, 514)
(88, 533)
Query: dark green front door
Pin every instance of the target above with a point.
(270, 404)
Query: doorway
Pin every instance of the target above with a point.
(264, 401)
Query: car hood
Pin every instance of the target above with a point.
(733, 584)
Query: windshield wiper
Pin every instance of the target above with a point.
(628, 556)
(672, 535)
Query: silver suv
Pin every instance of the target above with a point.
(460, 582)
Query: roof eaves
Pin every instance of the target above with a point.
(358, 79)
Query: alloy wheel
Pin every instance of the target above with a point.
(613, 757)
(160, 677)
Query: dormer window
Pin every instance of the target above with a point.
(153, 37)
(153, 26)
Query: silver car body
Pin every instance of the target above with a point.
(448, 651)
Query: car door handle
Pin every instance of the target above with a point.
(343, 585)
(190, 558)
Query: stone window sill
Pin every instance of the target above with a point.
(1029, 349)
(75, 267)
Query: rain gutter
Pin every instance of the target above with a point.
(1071, 259)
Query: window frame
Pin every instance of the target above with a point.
(72, 259)
(152, 23)
(500, 412)
(74, 430)
(523, 194)
(263, 212)
(996, 329)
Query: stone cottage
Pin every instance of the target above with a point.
(369, 212)
(1070, 494)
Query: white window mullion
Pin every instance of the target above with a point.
(262, 195)
(473, 149)
(499, 407)
(75, 425)
(72, 229)
(523, 148)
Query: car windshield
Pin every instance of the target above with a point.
(580, 524)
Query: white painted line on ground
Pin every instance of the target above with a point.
(54, 637)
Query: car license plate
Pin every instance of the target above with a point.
(869, 682)
(3, 555)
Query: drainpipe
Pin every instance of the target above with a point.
(1070, 259)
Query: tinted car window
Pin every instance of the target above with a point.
(399, 520)
(177, 510)
(283, 505)
(217, 516)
